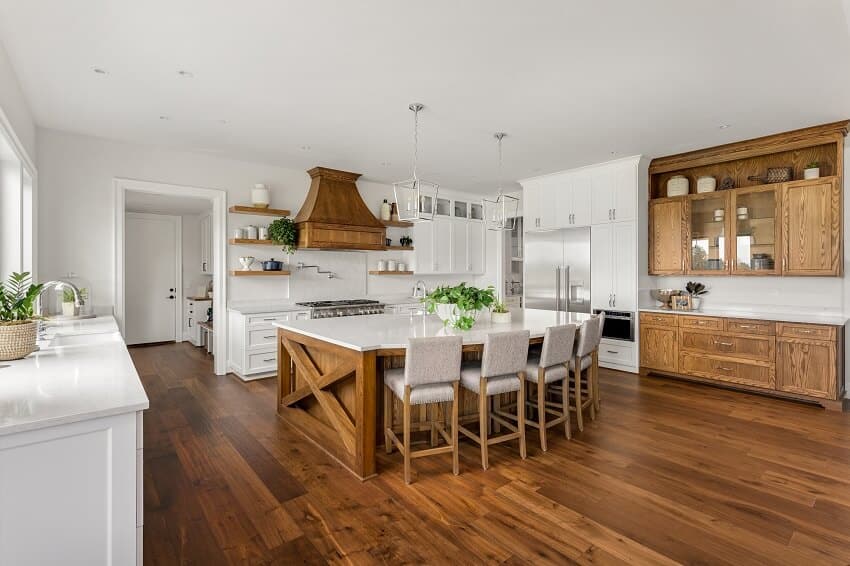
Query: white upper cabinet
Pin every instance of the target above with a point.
(613, 266)
(460, 245)
(580, 200)
(476, 248)
(531, 206)
(423, 244)
(451, 244)
(602, 199)
(614, 188)
(442, 245)
(548, 193)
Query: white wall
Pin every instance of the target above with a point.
(15, 107)
(76, 217)
(192, 276)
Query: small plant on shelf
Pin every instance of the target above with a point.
(500, 313)
(459, 305)
(406, 241)
(283, 232)
(811, 170)
(696, 290)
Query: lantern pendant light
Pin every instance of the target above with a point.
(416, 198)
(500, 213)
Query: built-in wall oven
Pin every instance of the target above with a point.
(619, 325)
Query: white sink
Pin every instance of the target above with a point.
(87, 339)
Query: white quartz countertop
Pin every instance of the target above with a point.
(380, 331)
(777, 316)
(271, 306)
(83, 371)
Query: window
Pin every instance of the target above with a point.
(16, 212)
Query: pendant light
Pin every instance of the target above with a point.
(500, 214)
(416, 197)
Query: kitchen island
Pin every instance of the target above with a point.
(330, 372)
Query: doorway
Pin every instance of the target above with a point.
(170, 265)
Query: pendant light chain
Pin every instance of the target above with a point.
(416, 108)
(499, 137)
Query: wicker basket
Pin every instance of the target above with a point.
(17, 340)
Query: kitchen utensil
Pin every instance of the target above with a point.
(664, 296)
(677, 186)
(272, 265)
(774, 175)
(263, 233)
(392, 265)
(246, 261)
(382, 265)
(402, 267)
(250, 232)
(238, 233)
(260, 196)
(706, 184)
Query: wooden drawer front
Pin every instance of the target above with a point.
(659, 319)
(262, 361)
(727, 370)
(266, 336)
(810, 368)
(752, 348)
(703, 322)
(741, 326)
(623, 354)
(807, 331)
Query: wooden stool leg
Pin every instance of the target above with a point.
(596, 394)
(577, 377)
(434, 412)
(565, 405)
(483, 419)
(541, 407)
(388, 419)
(520, 414)
(591, 396)
(497, 406)
(455, 449)
(406, 434)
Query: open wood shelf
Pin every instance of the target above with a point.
(396, 223)
(376, 272)
(399, 248)
(259, 211)
(247, 242)
(240, 273)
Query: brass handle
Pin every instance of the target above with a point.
(701, 322)
(270, 359)
(724, 368)
(726, 343)
(805, 331)
(744, 326)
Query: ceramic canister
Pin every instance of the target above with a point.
(677, 186)
(260, 196)
(402, 267)
(263, 233)
(392, 265)
(706, 184)
(238, 233)
(382, 265)
(250, 232)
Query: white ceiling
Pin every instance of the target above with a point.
(135, 201)
(572, 82)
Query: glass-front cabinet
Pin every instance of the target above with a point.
(757, 236)
(708, 230)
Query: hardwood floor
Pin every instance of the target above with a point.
(669, 472)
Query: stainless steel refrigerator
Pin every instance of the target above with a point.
(557, 270)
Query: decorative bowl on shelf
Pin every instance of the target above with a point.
(664, 296)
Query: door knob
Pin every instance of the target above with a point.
(171, 290)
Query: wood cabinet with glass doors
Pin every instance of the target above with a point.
(757, 236)
(708, 234)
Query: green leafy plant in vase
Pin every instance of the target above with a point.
(811, 170)
(283, 233)
(500, 313)
(18, 327)
(459, 305)
(696, 290)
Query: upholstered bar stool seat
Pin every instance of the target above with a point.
(470, 378)
(430, 376)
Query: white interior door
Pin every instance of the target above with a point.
(151, 244)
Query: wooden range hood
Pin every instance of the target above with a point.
(334, 216)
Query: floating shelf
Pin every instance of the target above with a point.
(376, 272)
(396, 223)
(400, 248)
(247, 242)
(240, 273)
(259, 211)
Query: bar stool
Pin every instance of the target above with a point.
(430, 376)
(552, 366)
(502, 370)
(597, 397)
(588, 342)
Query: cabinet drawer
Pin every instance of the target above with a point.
(265, 336)
(749, 347)
(704, 322)
(272, 317)
(623, 354)
(731, 371)
(810, 331)
(658, 319)
(262, 361)
(742, 326)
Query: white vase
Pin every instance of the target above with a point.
(811, 173)
(696, 302)
(260, 197)
(449, 313)
(500, 317)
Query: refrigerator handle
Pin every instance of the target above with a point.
(567, 288)
(557, 288)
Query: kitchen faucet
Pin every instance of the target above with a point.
(419, 290)
(58, 284)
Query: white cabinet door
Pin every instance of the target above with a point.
(442, 245)
(581, 198)
(547, 204)
(206, 244)
(460, 241)
(624, 284)
(601, 266)
(423, 245)
(624, 204)
(602, 183)
(530, 210)
(476, 251)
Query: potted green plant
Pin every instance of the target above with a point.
(696, 290)
(18, 328)
(500, 314)
(283, 232)
(812, 170)
(459, 305)
(68, 308)
(406, 241)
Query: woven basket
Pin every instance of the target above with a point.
(17, 340)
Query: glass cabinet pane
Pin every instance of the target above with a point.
(444, 207)
(755, 231)
(708, 233)
(476, 211)
(460, 209)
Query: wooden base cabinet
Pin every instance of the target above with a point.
(799, 361)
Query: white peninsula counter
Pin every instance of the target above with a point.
(71, 450)
(330, 372)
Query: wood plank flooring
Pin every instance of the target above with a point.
(670, 472)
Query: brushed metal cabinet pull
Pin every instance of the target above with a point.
(724, 368)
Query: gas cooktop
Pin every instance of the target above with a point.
(341, 303)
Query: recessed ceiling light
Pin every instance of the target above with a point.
(306, 148)
(185, 74)
(724, 126)
(100, 71)
(222, 122)
(385, 163)
(164, 117)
